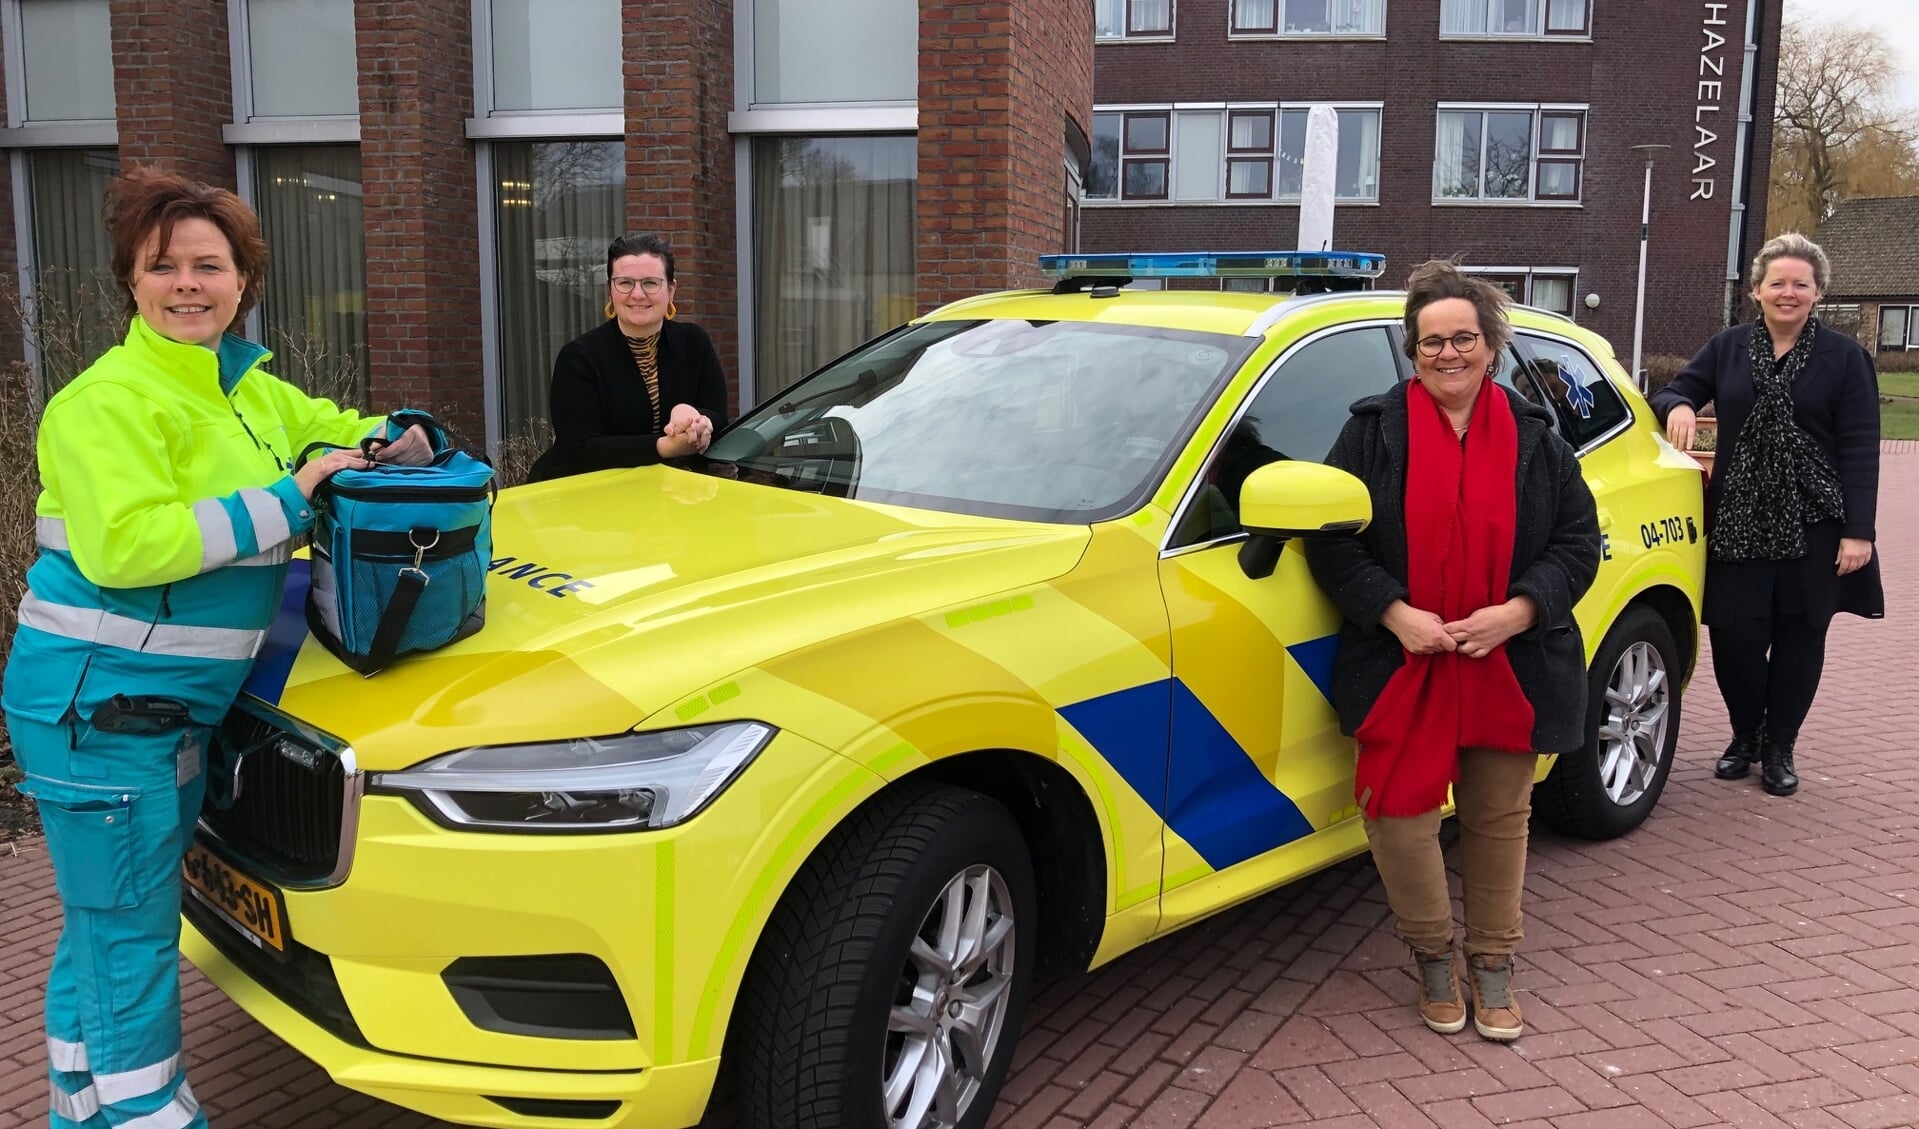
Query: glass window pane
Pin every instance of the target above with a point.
(1462, 17)
(1308, 17)
(1360, 17)
(1249, 177)
(556, 206)
(1357, 177)
(1584, 398)
(1253, 132)
(1566, 16)
(1509, 155)
(75, 313)
(1456, 161)
(1145, 180)
(1109, 18)
(1559, 133)
(1146, 133)
(67, 58)
(1892, 327)
(1553, 292)
(835, 51)
(301, 55)
(1559, 180)
(1289, 172)
(1516, 17)
(1102, 177)
(853, 199)
(313, 305)
(1254, 15)
(1149, 17)
(1197, 174)
(557, 55)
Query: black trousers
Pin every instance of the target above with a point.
(1768, 669)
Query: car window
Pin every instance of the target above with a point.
(1296, 414)
(1516, 374)
(1579, 391)
(1036, 420)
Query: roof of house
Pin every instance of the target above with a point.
(1871, 245)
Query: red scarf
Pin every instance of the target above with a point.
(1461, 509)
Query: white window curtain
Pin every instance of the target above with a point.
(1197, 155)
(1456, 160)
(1516, 17)
(1358, 172)
(1892, 326)
(855, 196)
(1255, 14)
(556, 206)
(1566, 15)
(1553, 292)
(74, 310)
(1252, 132)
(1359, 17)
(313, 305)
(1109, 18)
(1462, 17)
(1152, 17)
(1559, 133)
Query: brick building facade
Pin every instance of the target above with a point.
(438, 179)
(1597, 77)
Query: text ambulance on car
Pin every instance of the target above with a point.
(983, 651)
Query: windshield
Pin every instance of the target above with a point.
(1042, 421)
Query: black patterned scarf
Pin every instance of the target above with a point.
(1778, 481)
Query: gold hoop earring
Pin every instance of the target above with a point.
(672, 311)
(609, 307)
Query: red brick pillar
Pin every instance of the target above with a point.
(998, 82)
(173, 86)
(679, 157)
(421, 201)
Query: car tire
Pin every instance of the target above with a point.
(847, 989)
(1632, 726)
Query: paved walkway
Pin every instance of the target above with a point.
(1739, 961)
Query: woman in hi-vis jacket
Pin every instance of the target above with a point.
(167, 516)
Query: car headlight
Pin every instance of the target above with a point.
(633, 782)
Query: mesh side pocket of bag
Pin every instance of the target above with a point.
(451, 591)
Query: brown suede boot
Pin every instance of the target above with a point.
(1495, 1008)
(1440, 1002)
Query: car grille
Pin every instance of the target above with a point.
(282, 798)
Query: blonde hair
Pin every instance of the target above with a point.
(1793, 245)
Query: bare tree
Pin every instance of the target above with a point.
(1836, 131)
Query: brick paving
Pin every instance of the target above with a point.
(1739, 961)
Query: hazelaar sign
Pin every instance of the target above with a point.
(1709, 95)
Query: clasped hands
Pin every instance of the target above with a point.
(1476, 636)
(687, 433)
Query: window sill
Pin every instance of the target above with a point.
(1304, 37)
(1154, 38)
(293, 131)
(102, 134)
(1102, 202)
(1561, 205)
(1586, 39)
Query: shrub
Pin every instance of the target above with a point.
(1660, 369)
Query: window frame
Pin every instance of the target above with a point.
(1542, 11)
(1539, 111)
(1229, 155)
(1908, 339)
(1163, 157)
(1527, 276)
(1130, 34)
(251, 128)
(1266, 157)
(1235, 30)
(1581, 445)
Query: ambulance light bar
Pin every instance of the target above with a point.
(1229, 264)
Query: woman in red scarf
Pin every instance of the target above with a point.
(1459, 661)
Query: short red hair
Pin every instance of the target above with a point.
(143, 201)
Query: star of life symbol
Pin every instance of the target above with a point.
(1577, 394)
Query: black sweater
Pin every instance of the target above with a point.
(1555, 558)
(601, 414)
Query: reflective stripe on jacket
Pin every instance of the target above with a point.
(167, 515)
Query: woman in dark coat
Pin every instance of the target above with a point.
(641, 388)
(1459, 660)
(1790, 507)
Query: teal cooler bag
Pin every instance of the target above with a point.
(400, 553)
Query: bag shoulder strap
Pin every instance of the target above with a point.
(393, 621)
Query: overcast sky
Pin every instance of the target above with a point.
(1897, 19)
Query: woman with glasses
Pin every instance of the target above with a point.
(643, 387)
(1459, 660)
(1790, 506)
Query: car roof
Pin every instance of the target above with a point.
(1224, 312)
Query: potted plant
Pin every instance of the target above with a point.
(1705, 442)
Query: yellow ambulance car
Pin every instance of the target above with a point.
(963, 659)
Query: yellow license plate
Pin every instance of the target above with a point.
(252, 906)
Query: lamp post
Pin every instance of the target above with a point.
(1639, 302)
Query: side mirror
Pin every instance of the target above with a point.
(1287, 499)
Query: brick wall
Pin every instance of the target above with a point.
(12, 347)
(1639, 75)
(172, 86)
(997, 83)
(421, 208)
(679, 157)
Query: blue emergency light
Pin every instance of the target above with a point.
(1350, 265)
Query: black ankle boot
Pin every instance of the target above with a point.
(1746, 748)
(1777, 777)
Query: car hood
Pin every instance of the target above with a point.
(614, 595)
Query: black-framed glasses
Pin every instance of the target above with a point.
(648, 286)
(1462, 343)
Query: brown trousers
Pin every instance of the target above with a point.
(1493, 800)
